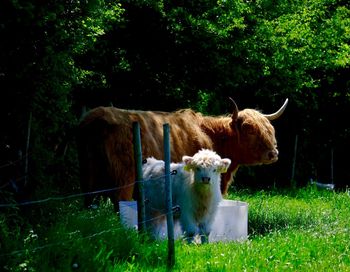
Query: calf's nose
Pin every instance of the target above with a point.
(205, 179)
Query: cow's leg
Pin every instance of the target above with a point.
(227, 179)
(189, 227)
(89, 180)
(204, 231)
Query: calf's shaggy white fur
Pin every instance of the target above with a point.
(195, 189)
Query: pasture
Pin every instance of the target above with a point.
(289, 230)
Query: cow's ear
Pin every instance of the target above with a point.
(224, 165)
(187, 160)
(236, 124)
(249, 128)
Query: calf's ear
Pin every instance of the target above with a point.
(224, 165)
(188, 163)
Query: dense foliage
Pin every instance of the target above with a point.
(59, 58)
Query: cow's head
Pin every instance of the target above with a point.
(256, 136)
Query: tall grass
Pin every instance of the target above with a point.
(298, 230)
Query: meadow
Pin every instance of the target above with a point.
(301, 229)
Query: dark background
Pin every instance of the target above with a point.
(60, 58)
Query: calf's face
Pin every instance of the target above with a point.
(209, 173)
(205, 175)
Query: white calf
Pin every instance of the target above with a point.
(195, 188)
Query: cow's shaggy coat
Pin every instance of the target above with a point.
(105, 143)
(195, 189)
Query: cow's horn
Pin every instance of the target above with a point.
(235, 109)
(278, 113)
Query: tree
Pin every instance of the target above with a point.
(39, 42)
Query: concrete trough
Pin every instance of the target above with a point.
(230, 223)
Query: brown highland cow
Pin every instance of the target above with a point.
(105, 143)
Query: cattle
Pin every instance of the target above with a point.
(105, 143)
(195, 189)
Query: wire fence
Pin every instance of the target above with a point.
(161, 213)
(60, 198)
(48, 245)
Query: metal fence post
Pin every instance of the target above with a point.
(168, 193)
(139, 176)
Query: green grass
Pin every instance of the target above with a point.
(297, 230)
